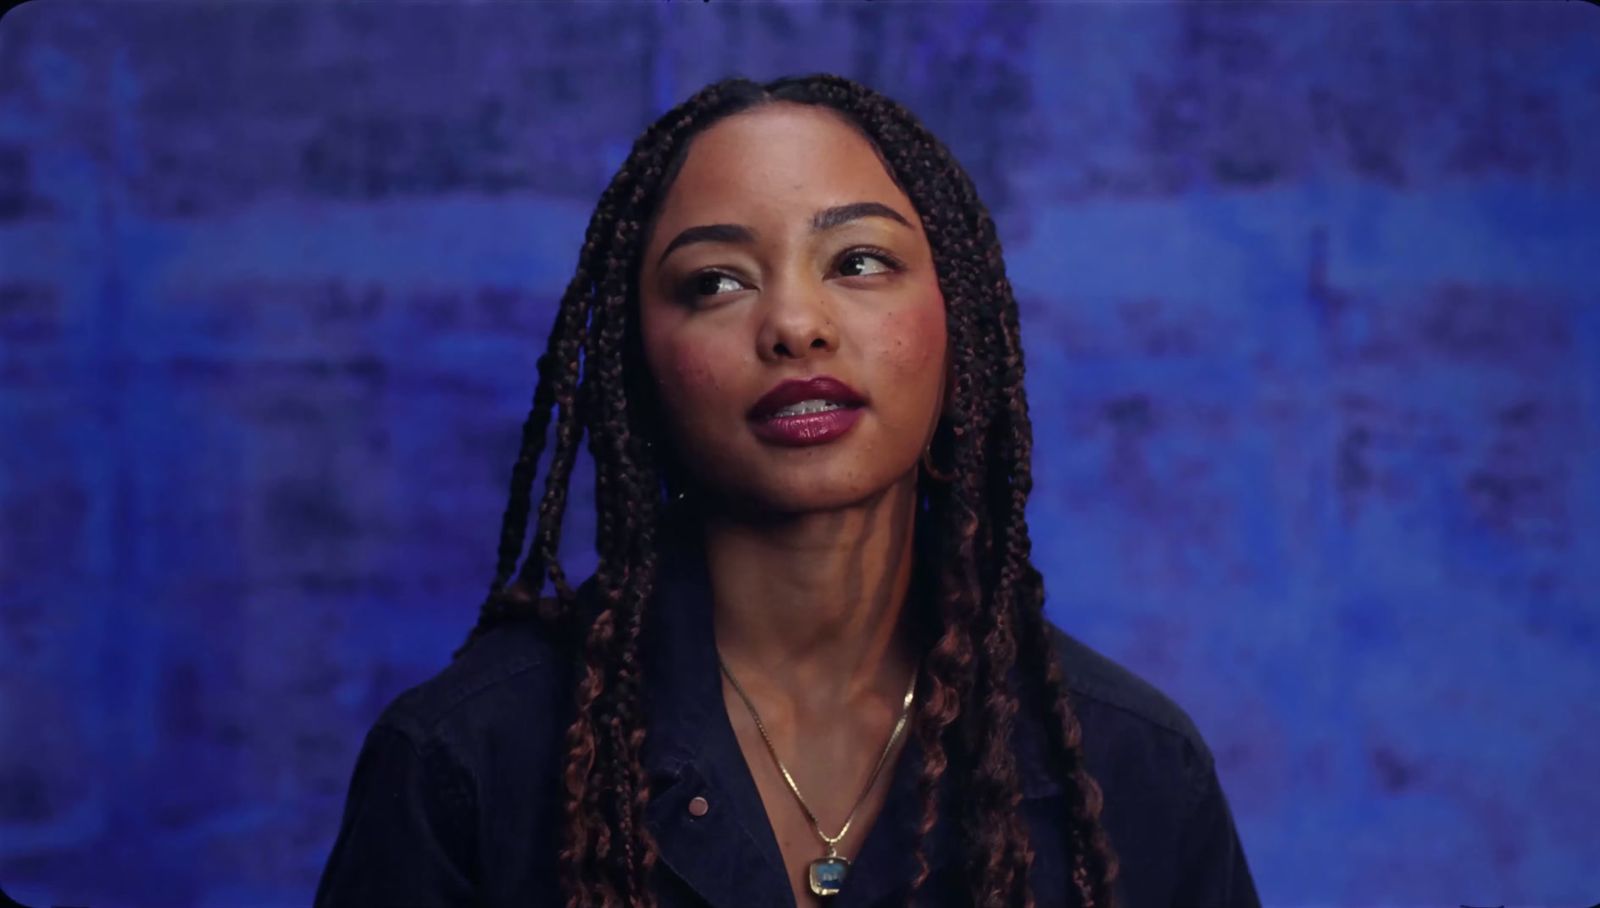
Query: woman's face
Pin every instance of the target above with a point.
(790, 284)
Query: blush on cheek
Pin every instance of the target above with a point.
(914, 339)
(695, 385)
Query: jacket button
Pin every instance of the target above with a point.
(698, 807)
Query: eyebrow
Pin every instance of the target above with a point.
(826, 219)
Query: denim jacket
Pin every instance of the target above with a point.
(456, 795)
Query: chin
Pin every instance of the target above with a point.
(813, 500)
(799, 494)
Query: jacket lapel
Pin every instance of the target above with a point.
(728, 852)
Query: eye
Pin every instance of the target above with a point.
(707, 283)
(866, 256)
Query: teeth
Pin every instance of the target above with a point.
(808, 406)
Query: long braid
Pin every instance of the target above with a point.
(1094, 864)
(608, 853)
(620, 496)
(985, 595)
(553, 387)
(1000, 845)
(961, 581)
(952, 662)
(557, 386)
(1007, 482)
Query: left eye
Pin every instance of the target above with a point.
(884, 263)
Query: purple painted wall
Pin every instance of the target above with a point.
(1312, 309)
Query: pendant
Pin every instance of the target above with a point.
(827, 874)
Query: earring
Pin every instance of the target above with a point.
(933, 472)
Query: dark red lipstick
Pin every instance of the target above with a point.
(806, 428)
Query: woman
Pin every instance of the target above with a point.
(813, 661)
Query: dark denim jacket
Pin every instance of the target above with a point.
(455, 798)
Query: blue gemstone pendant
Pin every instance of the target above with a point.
(827, 874)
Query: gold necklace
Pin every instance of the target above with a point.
(827, 872)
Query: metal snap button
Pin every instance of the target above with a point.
(698, 807)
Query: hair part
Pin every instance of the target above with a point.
(985, 610)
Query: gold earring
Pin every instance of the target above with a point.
(933, 472)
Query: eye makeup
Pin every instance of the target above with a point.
(690, 289)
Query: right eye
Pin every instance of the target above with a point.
(707, 283)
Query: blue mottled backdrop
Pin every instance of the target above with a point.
(1311, 302)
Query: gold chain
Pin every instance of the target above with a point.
(831, 841)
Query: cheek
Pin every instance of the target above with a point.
(689, 376)
(913, 340)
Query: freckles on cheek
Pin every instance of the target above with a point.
(694, 378)
(914, 339)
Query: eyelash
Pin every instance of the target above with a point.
(686, 290)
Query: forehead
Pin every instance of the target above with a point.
(781, 160)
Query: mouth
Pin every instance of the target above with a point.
(807, 423)
(807, 398)
(804, 412)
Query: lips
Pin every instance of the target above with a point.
(793, 391)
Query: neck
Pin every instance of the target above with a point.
(811, 609)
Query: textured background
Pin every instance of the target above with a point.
(1312, 310)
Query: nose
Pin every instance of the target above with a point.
(798, 320)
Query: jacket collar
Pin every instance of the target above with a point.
(691, 751)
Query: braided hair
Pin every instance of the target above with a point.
(987, 599)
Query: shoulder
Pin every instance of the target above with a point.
(1138, 742)
(1163, 806)
(1093, 676)
(510, 682)
(472, 747)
